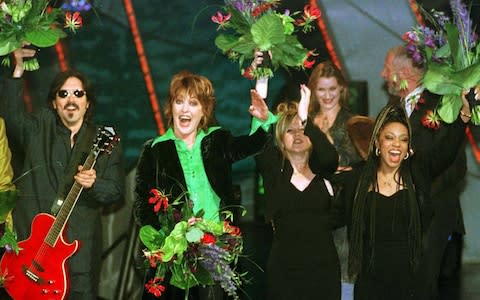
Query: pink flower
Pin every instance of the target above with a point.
(73, 22)
(220, 19)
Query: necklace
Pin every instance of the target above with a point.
(389, 182)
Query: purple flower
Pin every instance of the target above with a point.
(429, 42)
(461, 17)
(417, 57)
(411, 48)
(76, 5)
(411, 36)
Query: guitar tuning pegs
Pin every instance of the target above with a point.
(45, 291)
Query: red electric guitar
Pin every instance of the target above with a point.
(39, 271)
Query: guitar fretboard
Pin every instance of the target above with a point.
(67, 206)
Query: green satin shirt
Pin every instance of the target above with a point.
(199, 189)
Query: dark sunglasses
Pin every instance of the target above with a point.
(76, 93)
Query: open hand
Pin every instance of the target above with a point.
(258, 107)
(304, 102)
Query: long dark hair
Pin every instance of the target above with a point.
(368, 181)
(60, 79)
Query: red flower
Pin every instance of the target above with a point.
(311, 13)
(307, 64)
(154, 287)
(73, 22)
(155, 258)
(159, 199)
(208, 239)
(261, 9)
(431, 120)
(230, 229)
(221, 19)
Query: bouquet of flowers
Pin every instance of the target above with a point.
(450, 52)
(255, 25)
(34, 22)
(189, 249)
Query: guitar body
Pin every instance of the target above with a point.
(39, 271)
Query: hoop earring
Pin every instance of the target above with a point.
(409, 152)
(377, 151)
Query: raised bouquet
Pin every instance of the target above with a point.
(188, 249)
(450, 51)
(255, 25)
(34, 22)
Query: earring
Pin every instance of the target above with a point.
(377, 151)
(410, 152)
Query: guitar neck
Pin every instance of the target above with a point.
(68, 205)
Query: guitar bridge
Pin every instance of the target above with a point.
(32, 276)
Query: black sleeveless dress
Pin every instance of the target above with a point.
(303, 262)
(390, 276)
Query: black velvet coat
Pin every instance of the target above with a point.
(159, 167)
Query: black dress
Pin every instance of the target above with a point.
(303, 262)
(390, 276)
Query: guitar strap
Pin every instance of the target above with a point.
(83, 145)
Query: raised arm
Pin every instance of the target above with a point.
(324, 157)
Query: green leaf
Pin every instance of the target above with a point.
(291, 53)
(237, 21)
(453, 42)
(44, 38)
(9, 45)
(475, 115)
(203, 276)
(181, 279)
(150, 237)
(7, 203)
(225, 42)
(439, 80)
(245, 46)
(194, 235)
(443, 80)
(175, 243)
(442, 52)
(450, 106)
(268, 31)
(9, 238)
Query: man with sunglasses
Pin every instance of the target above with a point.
(49, 138)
